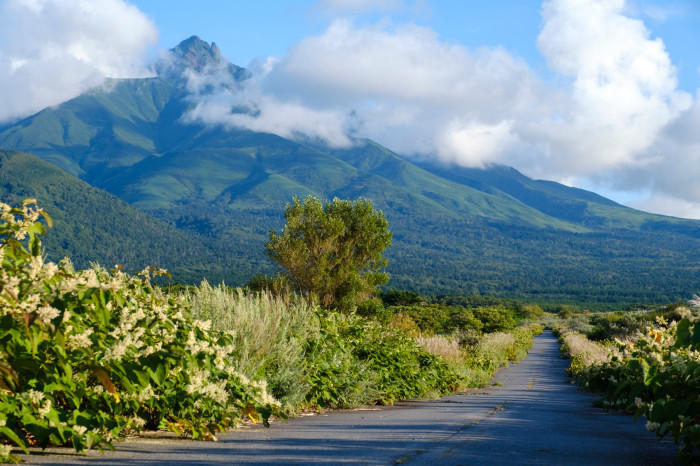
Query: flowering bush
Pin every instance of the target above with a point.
(658, 377)
(86, 355)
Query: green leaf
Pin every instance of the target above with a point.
(683, 336)
(10, 434)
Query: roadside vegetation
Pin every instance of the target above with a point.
(87, 356)
(646, 363)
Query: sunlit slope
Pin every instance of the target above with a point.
(574, 205)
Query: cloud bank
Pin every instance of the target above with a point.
(53, 50)
(614, 116)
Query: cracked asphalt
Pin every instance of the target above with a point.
(537, 416)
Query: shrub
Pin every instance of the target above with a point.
(333, 250)
(354, 361)
(405, 324)
(400, 298)
(86, 355)
(530, 311)
(495, 318)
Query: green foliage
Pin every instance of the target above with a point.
(316, 358)
(86, 355)
(444, 320)
(260, 282)
(658, 376)
(530, 311)
(566, 311)
(495, 319)
(333, 250)
(353, 361)
(373, 308)
(400, 297)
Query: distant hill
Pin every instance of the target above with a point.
(485, 231)
(91, 225)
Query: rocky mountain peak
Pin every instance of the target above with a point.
(194, 54)
(197, 54)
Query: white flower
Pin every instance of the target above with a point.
(50, 269)
(82, 340)
(46, 314)
(5, 450)
(30, 303)
(35, 396)
(80, 430)
(146, 394)
(652, 426)
(203, 325)
(695, 302)
(138, 422)
(116, 352)
(3, 422)
(45, 408)
(35, 266)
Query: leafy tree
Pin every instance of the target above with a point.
(333, 250)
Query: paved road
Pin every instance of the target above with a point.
(536, 417)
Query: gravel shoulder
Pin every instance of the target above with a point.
(536, 417)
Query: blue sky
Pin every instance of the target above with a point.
(599, 94)
(249, 30)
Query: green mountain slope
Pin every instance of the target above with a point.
(490, 231)
(570, 204)
(91, 225)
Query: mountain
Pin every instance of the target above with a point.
(487, 231)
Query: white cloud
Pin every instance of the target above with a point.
(52, 50)
(475, 144)
(660, 203)
(401, 86)
(673, 165)
(623, 89)
(219, 100)
(615, 116)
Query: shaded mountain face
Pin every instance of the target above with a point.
(490, 231)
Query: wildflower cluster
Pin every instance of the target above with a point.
(86, 355)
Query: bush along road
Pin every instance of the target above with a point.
(533, 414)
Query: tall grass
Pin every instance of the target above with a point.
(448, 348)
(314, 358)
(580, 348)
(495, 350)
(270, 333)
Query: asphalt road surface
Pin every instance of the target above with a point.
(536, 417)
